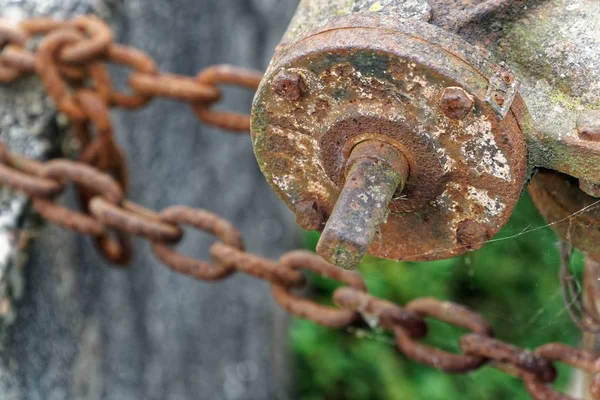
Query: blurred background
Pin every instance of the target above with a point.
(512, 282)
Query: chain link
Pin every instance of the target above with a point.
(70, 59)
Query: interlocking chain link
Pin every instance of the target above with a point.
(71, 58)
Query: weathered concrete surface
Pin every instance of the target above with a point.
(85, 331)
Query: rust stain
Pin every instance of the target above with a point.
(366, 76)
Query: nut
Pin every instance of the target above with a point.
(590, 188)
(472, 234)
(499, 99)
(588, 126)
(507, 78)
(456, 103)
(289, 85)
(309, 215)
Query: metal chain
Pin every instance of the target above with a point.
(71, 59)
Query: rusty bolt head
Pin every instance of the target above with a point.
(309, 215)
(588, 126)
(472, 234)
(499, 99)
(289, 85)
(507, 78)
(456, 103)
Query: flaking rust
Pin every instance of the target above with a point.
(574, 214)
(362, 70)
(351, 72)
(374, 173)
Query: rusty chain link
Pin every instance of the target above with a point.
(70, 59)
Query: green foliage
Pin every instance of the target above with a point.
(512, 282)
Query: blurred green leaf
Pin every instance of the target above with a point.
(512, 282)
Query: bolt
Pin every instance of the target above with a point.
(289, 85)
(507, 78)
(499, 99)
(309, 215)
(374, 172)
(456, 103)
(588, 126)
(590, 188)
(471, 234)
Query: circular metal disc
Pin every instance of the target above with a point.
(364, 79)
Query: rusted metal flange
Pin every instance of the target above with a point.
(374, 76)
(571, 213)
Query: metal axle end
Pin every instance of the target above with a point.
(375, 171)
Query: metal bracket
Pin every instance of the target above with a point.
(502, 91)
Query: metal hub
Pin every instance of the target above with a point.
(415, 87)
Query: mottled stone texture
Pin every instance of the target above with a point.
(86, 331)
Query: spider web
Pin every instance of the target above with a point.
(568, 286)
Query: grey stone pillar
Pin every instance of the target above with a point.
(83, 330)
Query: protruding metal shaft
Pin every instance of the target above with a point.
(374, 172)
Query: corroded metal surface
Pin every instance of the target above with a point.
(318, 13)
(588, 125)
(373, 75)
(375, 172)
(573, 214)
(553, 48)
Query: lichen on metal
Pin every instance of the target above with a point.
(553, 48)
(314, 13)
(473, 130)
(369, 75)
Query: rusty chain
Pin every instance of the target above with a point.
(71, 61)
